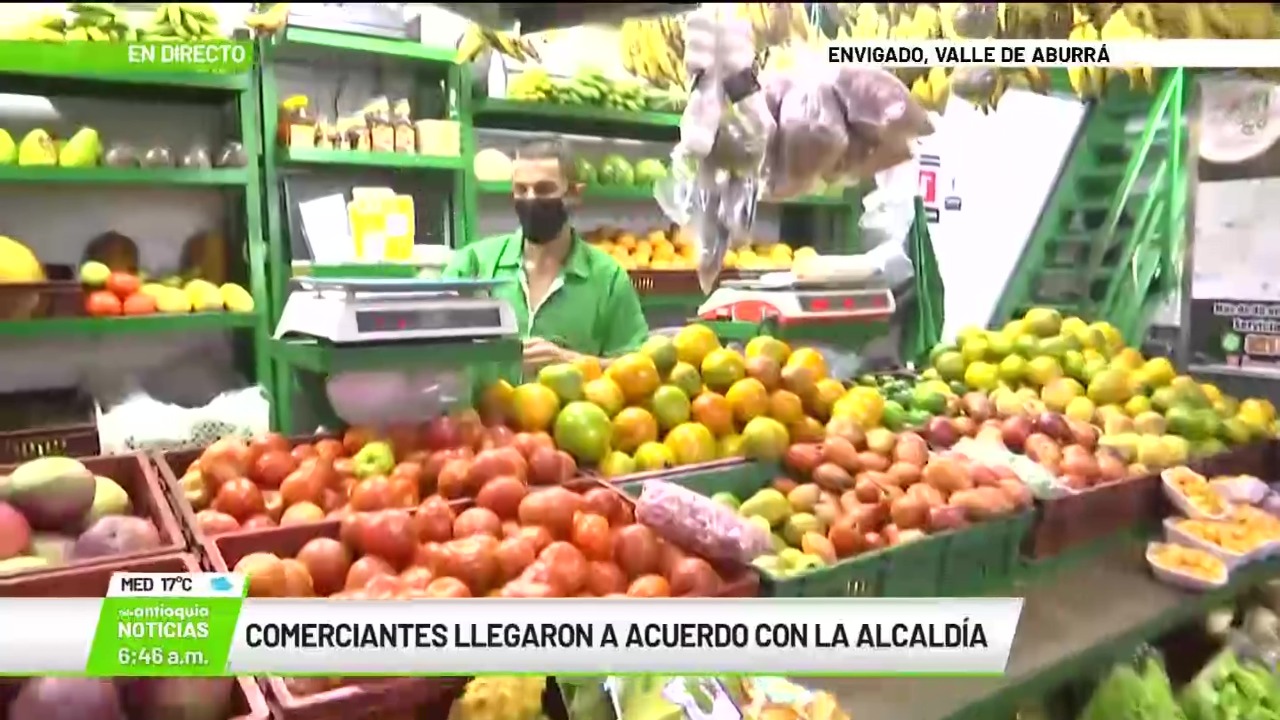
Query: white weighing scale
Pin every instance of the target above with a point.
(396, 315)
(796, 303)
(348, 311)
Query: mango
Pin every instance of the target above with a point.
(108, 499)
(54, 493)
(768, 504)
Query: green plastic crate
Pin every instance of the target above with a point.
(983, 558)
(979, 559)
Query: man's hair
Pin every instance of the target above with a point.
(551, 148)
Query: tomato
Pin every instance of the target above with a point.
(302, 486)
(356, 438)
(304, 451)
(668, 556)
(591, 535)
(240, 499)
(212, 522)
(538, 535)
(102, 303)
(432, 556)
(605, 578)
(417, 578)
(566, 565)
(434, 520)
(502, 495)
(366, 569)
(261, 521)
(693, 577)
(372, 493)
(603, 502)
(477, 521)
(650, 586)
(329, 449)
(635, 549)
(448, 587)
(123, 284)
(384, 587)
(328, 562)
(552, 508)
(472, 560)
(272, 467)
(388, 534)
(139, 304)
(404, 491)
(523, 588)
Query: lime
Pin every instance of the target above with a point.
(928, 400)
(902, 398)
(957, 387)
(894, 416)
(1073, 364)
(1181, 421)
(918, 418)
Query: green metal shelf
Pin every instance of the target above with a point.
(153, 85)
(645, 194)
(230, 177)
(90, 327)
(362, 44)
(358, 159)
(575, 119)
(325, 359)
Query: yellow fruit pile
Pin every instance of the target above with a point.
(1188, 561)
(675, 249)
(1045, 362)
(681, 400)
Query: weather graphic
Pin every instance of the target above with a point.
(221, 584)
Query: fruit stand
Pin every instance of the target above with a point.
(1046, 459)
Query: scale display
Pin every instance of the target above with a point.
(377, 321)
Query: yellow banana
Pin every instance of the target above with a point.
(940, 88)
(470, 45)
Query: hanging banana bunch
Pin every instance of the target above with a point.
(1034, 21)
(913, 22)
(1088, 83)
(1118, 27)
(477, 39)
(653, 50)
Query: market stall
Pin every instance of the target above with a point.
(748, 451)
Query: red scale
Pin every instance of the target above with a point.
(796, 305)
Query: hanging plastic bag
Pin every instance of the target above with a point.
(724, 139)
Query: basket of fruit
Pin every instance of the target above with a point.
(1192, 494)
(141, 698)
(512, 541)
(65, 513)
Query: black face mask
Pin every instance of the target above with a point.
(541, 219)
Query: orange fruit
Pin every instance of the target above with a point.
(636, 374)
(770, 347)
(748, 399)
(691, 443)
(713, 410)
(632, 428)
(764, 439)
(695, 342)
(534, 407)
(824, 396)
(721, 368)
(589, 366)
(785, 407)
(807, 430)
(495, 402)
(810, 358)
(605, 393)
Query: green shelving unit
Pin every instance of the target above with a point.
(1106, 242)
(437, 92)
(238, 92)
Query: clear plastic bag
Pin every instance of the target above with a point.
(700, 525)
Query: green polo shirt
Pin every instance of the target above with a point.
(592, 307)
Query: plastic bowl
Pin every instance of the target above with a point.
(1175, 535)
(1177, 579)
(1183, 504)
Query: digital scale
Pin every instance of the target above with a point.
(348, 311)
(796, 303)
(388, 350)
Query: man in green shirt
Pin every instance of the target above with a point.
(570, 299)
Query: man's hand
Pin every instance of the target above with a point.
(539, 352)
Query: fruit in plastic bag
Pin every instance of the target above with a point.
(120, 155)
(158, 156)
(615, 170)
(232, 154)
(811, 137)
(196, 157)
(700, 525)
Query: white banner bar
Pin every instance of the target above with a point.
(934, 636)
(1219, 54)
